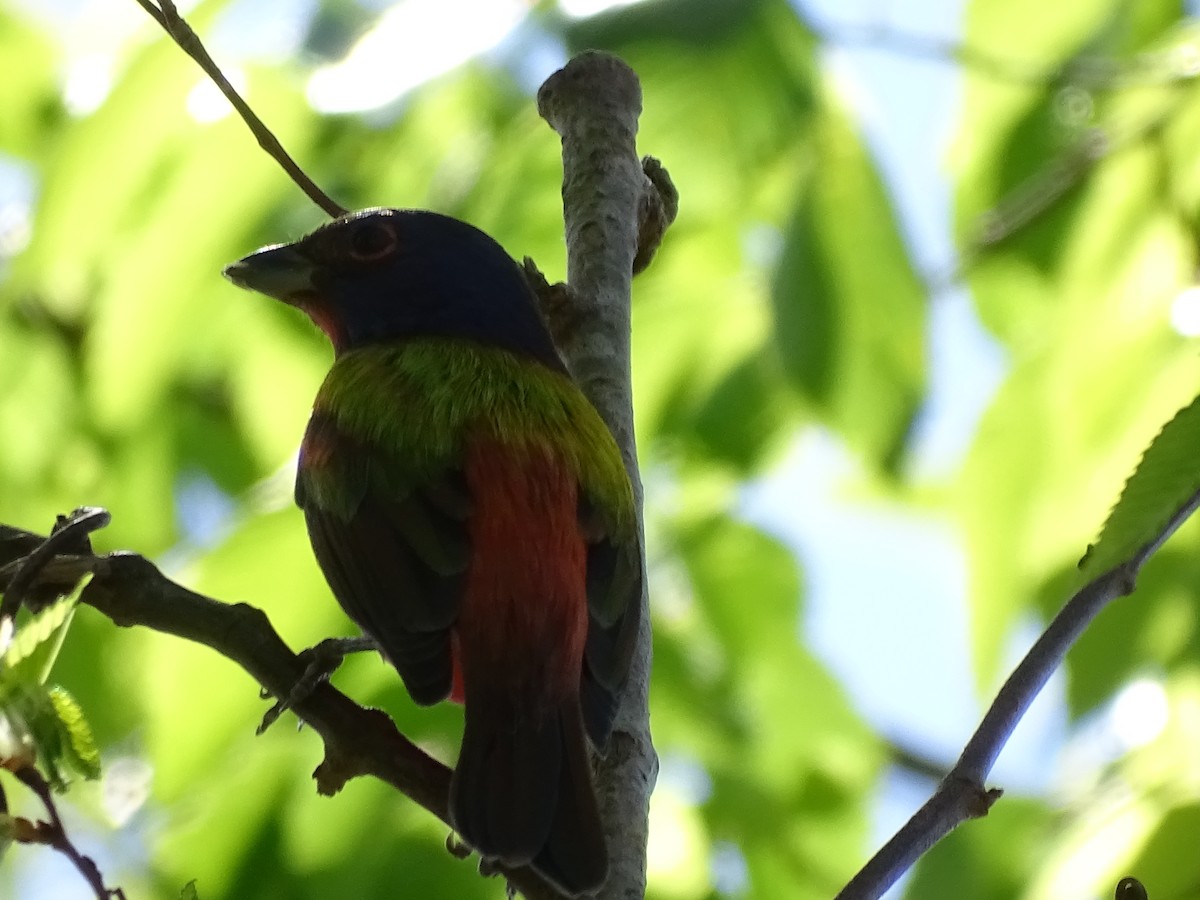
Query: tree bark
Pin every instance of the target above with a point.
(609, 206)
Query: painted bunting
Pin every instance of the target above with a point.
(471, 512)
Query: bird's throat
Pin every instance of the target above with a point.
(325, 320)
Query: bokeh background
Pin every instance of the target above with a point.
(931, 291)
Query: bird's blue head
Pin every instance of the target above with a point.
(386, 274)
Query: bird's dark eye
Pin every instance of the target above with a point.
(370, 240)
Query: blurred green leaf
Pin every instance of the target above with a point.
(1166, 864)
(188, 677)
(1150, 631)
(28, 92)
(1023, 493)
(851, 329)
(698, 22)
(7, 833)
(1080, 295)
(786, 754)
(746, 416)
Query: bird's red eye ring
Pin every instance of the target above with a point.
(370, 241)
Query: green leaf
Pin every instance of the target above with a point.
(700, 22)
(1047, 458)
(1074, 221)
(849, 308)
(79, 748)
(37, 642)
(143, 281)
(31, 726)
(747, 415)
(28, 714)
(37, 417)
(29, 90)
(189, 892)
(1166, 479)
(788, 759)
(1153, 632)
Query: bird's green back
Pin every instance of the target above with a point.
(415, 403)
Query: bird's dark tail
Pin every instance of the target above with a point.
(522, 791)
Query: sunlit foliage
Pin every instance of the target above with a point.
(785, 302)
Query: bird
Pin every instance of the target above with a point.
(472, 513)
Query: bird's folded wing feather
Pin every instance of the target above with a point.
(394, 549)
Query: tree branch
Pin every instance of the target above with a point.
(168, 18)
(131, 591)
(962, 794)
(69, 534)
(615, 210)
(53, 833)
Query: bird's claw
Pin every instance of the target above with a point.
(320, 662)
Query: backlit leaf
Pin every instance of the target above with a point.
(1166, 479)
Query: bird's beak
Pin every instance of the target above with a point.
(281, 271)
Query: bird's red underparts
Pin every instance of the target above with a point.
(524, 615)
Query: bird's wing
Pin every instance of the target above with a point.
(614, 590)
(393, 545)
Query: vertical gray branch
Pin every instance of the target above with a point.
(594, 103)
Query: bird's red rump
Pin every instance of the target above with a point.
(524, 616)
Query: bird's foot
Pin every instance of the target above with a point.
(320, 662)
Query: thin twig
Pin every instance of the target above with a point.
(962, 794)
(167, 16)
(54, 834)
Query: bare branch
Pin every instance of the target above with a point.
(167, 16)
(615, 214)
(962, 794)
